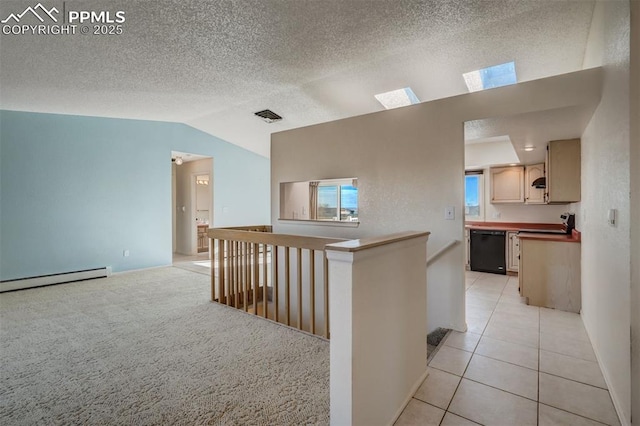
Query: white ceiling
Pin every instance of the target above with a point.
(531, 129)
(212, 64)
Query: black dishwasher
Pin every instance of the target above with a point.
(487, 253)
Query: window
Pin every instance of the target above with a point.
(397, 98)
(473, 195)
(490, 77)
(328, 200)
(337, 202)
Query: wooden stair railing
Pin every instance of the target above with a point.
(253, 270)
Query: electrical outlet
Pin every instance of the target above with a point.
(125, 253)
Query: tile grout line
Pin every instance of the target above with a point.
(574, 381)
(539, 354)
(571, 412)
(460, 381)
(472, 353)
(539, 371)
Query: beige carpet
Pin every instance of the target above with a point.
(149, 348)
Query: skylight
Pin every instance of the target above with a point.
(490, 77)
(397, 98)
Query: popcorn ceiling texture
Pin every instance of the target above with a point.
(211, 64)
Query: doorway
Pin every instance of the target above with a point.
(191, 207)
(203, 213)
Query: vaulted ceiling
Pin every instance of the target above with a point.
(212, 64)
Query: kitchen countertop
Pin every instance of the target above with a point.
(574, 237)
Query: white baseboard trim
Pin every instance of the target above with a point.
(150, 268)
(607, 379)
(44, 280)
(413, 391)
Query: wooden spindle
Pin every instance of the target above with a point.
(287, 283)
(299, 307)
(312, 291)
(326, 295)
(214, 282)
(265, 302)
(245, 271)
(236, 267)
(274, 272)
(255, 281)
(221, 295)
(229, 269)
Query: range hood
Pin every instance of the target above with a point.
(540, 183)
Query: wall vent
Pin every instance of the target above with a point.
(268, 116)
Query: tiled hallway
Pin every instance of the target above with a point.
(516, 365)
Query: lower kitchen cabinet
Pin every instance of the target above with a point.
(467, 243)
(513, 251)
(549, 273)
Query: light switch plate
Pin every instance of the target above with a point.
(450, 213)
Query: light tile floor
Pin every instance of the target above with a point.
(516, 365)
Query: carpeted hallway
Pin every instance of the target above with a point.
(148, 347)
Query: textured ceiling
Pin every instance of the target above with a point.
(211, 64)
(532, 129)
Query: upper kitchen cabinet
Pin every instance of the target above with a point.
(563, 171)
(533, 194)
(507, 184)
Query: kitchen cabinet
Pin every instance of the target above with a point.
(507, 184)
(533, 195)
(549, 273)
(467, 241)
(563, 171)
(513, 251)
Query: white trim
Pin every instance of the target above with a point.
(320, 222)
(440, 252)
(44, 280)
(130, 271)
(617, 406)
(413, 391)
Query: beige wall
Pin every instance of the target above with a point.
(635, 211)
(410, 166)
(606, 185)
(294, 203)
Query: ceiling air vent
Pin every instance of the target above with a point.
(268, 116)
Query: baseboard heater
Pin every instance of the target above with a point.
(65, 277)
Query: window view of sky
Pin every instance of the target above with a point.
(498, 75)
(490, 77)
(471, 191)
(327, 196)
